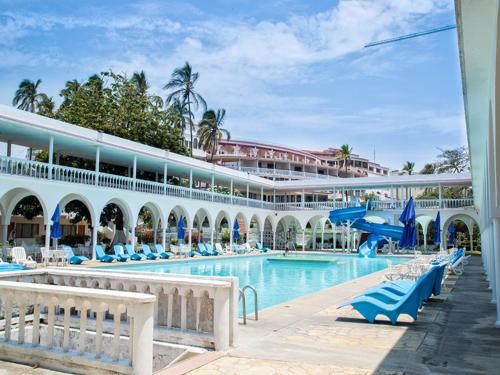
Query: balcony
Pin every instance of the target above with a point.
(280, 172)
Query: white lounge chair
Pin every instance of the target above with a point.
(18, 255)
(222, 250)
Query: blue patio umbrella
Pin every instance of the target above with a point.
(408, 219)
(55, 231)
(236, 230)
(451, 230)
(180, 229)
(437, 229)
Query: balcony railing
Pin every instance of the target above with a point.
(279, 172)
(38, 170)
(378, 205)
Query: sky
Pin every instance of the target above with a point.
(288, 72)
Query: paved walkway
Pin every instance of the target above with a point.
(453, 335)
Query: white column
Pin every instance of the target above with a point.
(302, 198)
(334, 234)
(47, 236)
(322, 238)
(165, 172)
(274, 240)
(134, 172)
(262, 237)
(132, 234)
(212, 186)
(51, 155)
(304, 240)
(262, 196)
(191, 183)
(221, 319)
(190, 243)
(5, 233)
(231, 191)
(440, 194)
(248, 193)
(94, 240)
(142, 338)
(97, 164)
(212, 237)
(496, 234)
(230, 237)
(164, 236)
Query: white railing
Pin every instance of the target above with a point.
(189, 310)
(21, 167)
(280, 172)
(84, 346)
(377, 204)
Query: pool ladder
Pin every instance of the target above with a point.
(242, 298)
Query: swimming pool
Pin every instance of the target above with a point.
(276, 282)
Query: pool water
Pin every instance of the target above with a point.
(276, 282)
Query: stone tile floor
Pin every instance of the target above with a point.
(454, 334)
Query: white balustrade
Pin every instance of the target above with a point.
(186, 310)
(83, 348)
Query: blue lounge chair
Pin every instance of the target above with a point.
(210, 249)
(132, 254)
(148, 253)
(119, 253)
(162, 253)
(102, 256)
(261, 248)
(409, 303)
(72, 258)
(202, 249)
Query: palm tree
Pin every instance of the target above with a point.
(178, 115)
(140, 82)
(46, 106)
(408, 167)
(182, 82)
(27, 96)
(70, 89)
(345, 154)
(210, 130)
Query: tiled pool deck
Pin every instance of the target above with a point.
(455, 334)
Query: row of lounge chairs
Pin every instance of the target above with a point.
(405, 296)
(127, 252)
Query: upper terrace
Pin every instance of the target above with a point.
(151, 170)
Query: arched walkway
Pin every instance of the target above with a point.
(289, 233)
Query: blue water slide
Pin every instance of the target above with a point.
(355, 216)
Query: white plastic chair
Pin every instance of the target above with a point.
(19, 256)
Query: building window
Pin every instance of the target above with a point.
(68, 230)
(26, 230)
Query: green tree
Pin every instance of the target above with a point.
(344, 153)
(27, 96)
(182, 82)
(409, 167)
(210, 130)
(46, 106)
(453, 161)
(177, 114)
(70, 89)
(429, 168)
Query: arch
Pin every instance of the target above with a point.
(254, 229)
(31, 221)
(243, 225)
(268, 231)
(469, 223)
(147, 223)
(203, 224)
(63, 202)
(287, 230)
(117, 234)
(313, 226)
(222, 227)
(173, 220)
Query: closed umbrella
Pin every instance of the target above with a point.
(55, 231)
(180, 229)
(437, 229)
(451, 230)
(236, 230)
(408, 219)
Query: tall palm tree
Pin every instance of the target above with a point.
(27, 96)
(345, 154)
(178, 115)
(182, 83)
(70, 89)
(140, 81)
(408, 167)
(210, 130)
(46, 106)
